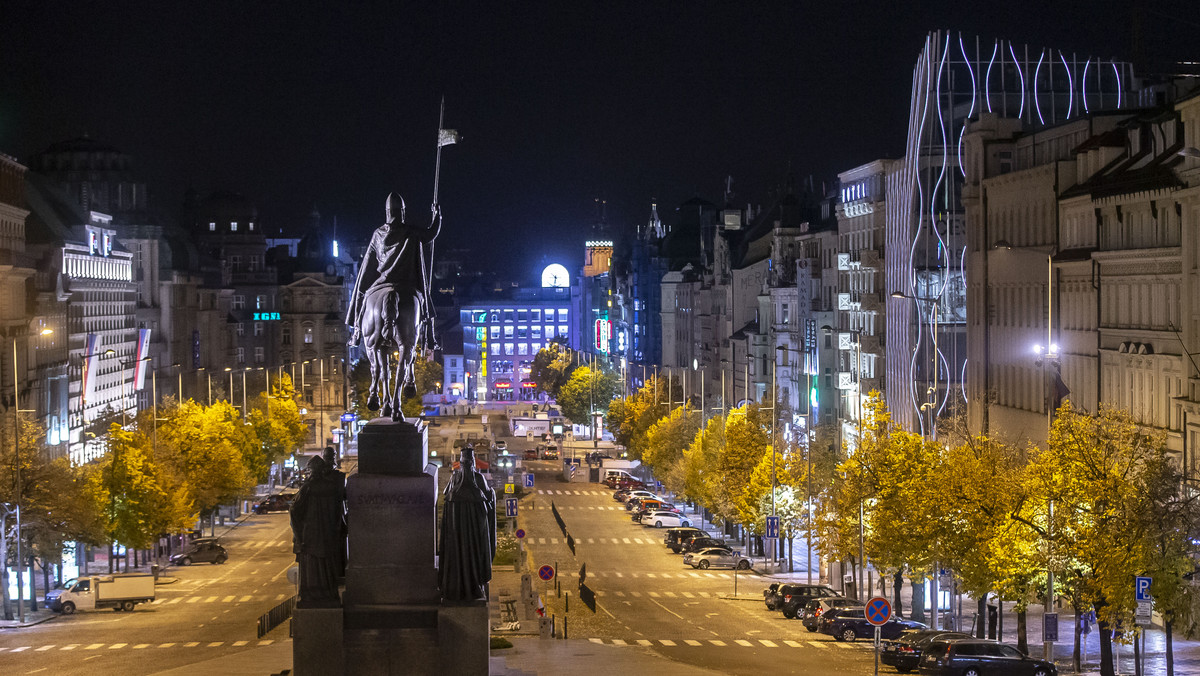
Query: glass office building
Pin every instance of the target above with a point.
(501, 338)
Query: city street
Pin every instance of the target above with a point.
(211, 611)
(647, 597)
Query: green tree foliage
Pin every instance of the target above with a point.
(588, 390)
(699, 464)
(126, 489)
(552, 368)
(277, 424)
(630, 419)
(211, 452)
(667, 438)
(746, 441)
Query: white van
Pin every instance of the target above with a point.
(615, 475)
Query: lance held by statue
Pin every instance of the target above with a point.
(318, 518)
(467, 540)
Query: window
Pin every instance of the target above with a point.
(496, 348)
(522, 315)
(785, 316)
(212, 226)
(522, 348)
(549, 331)
(495, 332)
(562, 329)
(255, 263)
(537, 315)
(562, 315)
(536, 347)
(251, 226)
(260, 302)
(537, 332)
(241, 329)
(495, 315)
(233, 226)
(286, 335)
(235, 263)
(260, 355)
(508, 348)
(258, 328)
(308, 335)
(453, 362)
(522, 332)
(239, 302)
(508, 316)
(508, 332)
(241, 355)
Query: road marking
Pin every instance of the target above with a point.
(44, 648)
(590, 542)
(769, 644)
(141, 645)
(193, 599)
(177, 599)
(669, 595)
(238, 644)
(93, 646)
(70, 647)
(280, 597)
(216, 644)
(619, 574)
(541, 541)
(191, 644)
(21, 649)
(210, 599)
(227, 599)
(793, 644)
(617, 641)
(644, 642)
(704, 595)
(621, 594)
(244, 599)
(541, 492)
(689, 595)
(694, 574)
(627, 541)
(597, 640)
(667, 642)
(651, 575)
(553, 541)
(268, 641)
(636, 595)
(666, 608)
(846, 646)
(719, 644)
(744, 643)
(692, 642)
(165, 645)
(653, 595)
(117, 646)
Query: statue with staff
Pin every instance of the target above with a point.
(391, 308)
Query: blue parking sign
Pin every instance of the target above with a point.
(529, 480)
(510, 507)
(1141, 588)
(772, 527)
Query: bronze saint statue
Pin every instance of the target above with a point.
(391, 308)
(467, 542)
(319, 533)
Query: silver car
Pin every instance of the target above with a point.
(716, 556)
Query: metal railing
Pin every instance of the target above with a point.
(275, 616)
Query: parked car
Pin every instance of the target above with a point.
(795, 596)
(716, 557)
(626, 484)
(849, 624)
(904, 652)
(502, 446)
(674, 537)
(530, 454)
(976, 656)
(278, 502)
(771, 596)
(663, 517)
(626, 496)
(202, 550)
(810, 614)
(686, 538)
(701, 542)
(654, 503)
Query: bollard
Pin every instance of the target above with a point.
(568, 607)
(564, 627)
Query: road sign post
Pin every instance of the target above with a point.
(1141, 588)
(877, 611)
(546, 572)
(510, 507)
(772, 528)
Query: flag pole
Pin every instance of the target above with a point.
(437, 167)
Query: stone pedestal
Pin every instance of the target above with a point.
(392, 620)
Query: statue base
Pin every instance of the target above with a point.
(392, 620)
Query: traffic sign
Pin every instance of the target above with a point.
(349, 417)
(520, 533)
(772, 527)
(510, 507)
(658, 486)
(1141, 588)
(878, 610)
(546, 572)
(509, 488)
(1050, 628)
(1144, 612)
(529, 480)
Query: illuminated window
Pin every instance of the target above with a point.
(549, 331)
(308, 335)
(508, 348)
(522, 348)
(260, 302)
(495, 348)
(494, 315)
(508, 332)
(537, 332)
(522, 315)
(536, 347)
(258, 328)
(212, 226)
(495, 332)
(233, 226)
(562, 329)
(251, 224)
(562, 315)
(522, 332)
(537, 315)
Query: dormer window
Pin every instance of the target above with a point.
(212, 226)
(233, 226)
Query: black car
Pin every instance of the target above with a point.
(697, 543)
(279, 502)
(810, 614)
(796, 596)
(904, 652)
(674, 537)
(202, 550)
(977, 656)
(771, 596)
(851, 623)
(685, 538)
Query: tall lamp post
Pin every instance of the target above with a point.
(807, 397)
(17, 477)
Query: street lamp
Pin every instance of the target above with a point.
(808, 510)
(17, 475)
(124, 403)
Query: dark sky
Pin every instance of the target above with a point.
(334, 104)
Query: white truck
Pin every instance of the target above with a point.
(93, 592)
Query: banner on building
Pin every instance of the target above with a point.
(91, 361)
(143, 351)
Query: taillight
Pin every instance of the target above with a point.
(787, 597)
(906, 649)
(817, 613)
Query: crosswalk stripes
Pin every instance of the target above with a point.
(739, 642)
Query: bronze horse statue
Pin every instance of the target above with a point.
(391, 304)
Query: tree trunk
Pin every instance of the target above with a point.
(897, 587)
(45, 578)
(1076, 655)
(1106, 649)
(8, 611)
(1168, 622)
(112, 553)
(981, 616)
(1022, 639)
(918, 600)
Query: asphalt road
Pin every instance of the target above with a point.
(647, 597)
(209, 612)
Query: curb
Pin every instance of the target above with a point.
(30, 624)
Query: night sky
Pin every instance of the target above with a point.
(335, 104)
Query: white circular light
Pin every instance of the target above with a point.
(555, 276)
